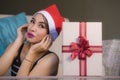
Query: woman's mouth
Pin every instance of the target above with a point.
(30, 35)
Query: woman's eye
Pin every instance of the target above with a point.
(41, 26)
(32, 21)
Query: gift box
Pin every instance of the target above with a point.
(82, 49)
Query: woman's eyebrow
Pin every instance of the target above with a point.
(43, 22)
(33, 18)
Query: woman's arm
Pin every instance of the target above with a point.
(46, 66)
(7, 58)
(35, 51)
(12, 50)
(26, 65)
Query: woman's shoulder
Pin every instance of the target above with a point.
(48, 64)
(50, 57)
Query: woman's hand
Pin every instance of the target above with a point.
(42, 46)
(21, 32)
(38, 48)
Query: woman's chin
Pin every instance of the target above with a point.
(32, 41)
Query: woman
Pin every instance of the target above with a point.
(33, 58)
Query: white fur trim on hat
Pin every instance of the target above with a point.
(51, 24)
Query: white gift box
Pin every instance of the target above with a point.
(91, 66)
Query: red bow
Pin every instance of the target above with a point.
(81, 50)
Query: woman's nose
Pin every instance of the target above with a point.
(33, 28)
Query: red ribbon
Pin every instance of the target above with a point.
(81, 50)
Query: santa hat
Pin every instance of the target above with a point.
(54, 19)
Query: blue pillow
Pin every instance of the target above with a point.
(8, 29)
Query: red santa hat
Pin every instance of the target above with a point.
(54, 19)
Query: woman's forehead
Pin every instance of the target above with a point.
(39, 17)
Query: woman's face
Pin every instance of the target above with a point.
(37, 29)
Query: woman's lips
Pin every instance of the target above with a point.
(30, 35)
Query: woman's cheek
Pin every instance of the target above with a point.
(41, 36)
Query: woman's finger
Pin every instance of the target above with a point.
(24, 27)
(47, 42)
(43, 40)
